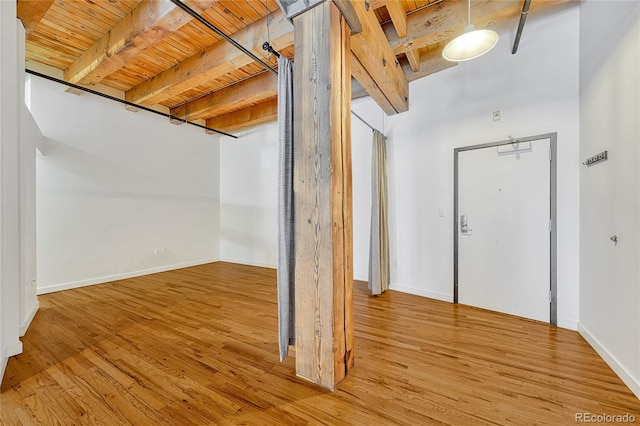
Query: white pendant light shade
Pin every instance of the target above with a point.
(470, 45)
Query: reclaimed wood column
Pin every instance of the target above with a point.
(323, 196)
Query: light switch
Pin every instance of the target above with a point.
(442, 212)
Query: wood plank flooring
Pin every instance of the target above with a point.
(198, 346)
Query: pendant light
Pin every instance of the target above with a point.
(471, 44)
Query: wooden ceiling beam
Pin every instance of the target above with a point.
(372, 50)
(398, 14)
(447, 19)
(261, 113)
(413, 56)
(146, 25)
(366, 86)
(349, 14)
(430, 62)
(216, 61)
(251, 91)
(31, 12)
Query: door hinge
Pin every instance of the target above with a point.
(549, 154)
(549, 225)
(549, 296)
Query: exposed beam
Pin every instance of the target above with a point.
(251, 91)
(217, 60)
(372, 49)
(413, 56)
(266, 111)
(350, 15)
(431, 62)
(398, 15)
(258, 114)
(368, 86)
(147, 24)
(31, 12)
(447, 19)
(323, 200)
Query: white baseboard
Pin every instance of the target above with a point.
(258, 263)
(13, 350)
(632, 382)
(27, 322)
(364, 278)
(3, 366)
(424, 293)
(568, 324)
(109, 278)
(8, 352)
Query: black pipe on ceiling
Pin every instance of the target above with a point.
(265, 46)
(523, 18)
(122, 101)
(218, 31)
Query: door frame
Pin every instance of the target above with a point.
(553, 216)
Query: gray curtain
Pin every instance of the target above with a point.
(286, 230)
(379, 239)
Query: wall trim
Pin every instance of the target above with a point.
(13, 350)
(568, 324)
(9, 351)
(358, 277)
(3, 366)
(632, 382)
(424, 293)
(27, 322)
(249, 262)
(116, 277)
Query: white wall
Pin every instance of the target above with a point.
(248, 197)
(536, 92)
(119, 194)
(610, 191)
(361, 144)
(248, 192)
(9, 188)
(29, 137)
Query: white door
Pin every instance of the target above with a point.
(504, 246)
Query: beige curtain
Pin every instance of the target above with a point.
(379, 277)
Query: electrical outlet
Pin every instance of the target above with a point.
(442, 212)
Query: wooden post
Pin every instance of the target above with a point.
(323, 198)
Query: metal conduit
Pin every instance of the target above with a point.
(523, 18)
(122, 101)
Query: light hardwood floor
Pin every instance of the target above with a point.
(198, 346)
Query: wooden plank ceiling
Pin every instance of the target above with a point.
(159, 56)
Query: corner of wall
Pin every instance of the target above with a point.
(626, 376)
(29, 318)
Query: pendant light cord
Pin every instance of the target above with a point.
(469, 13)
